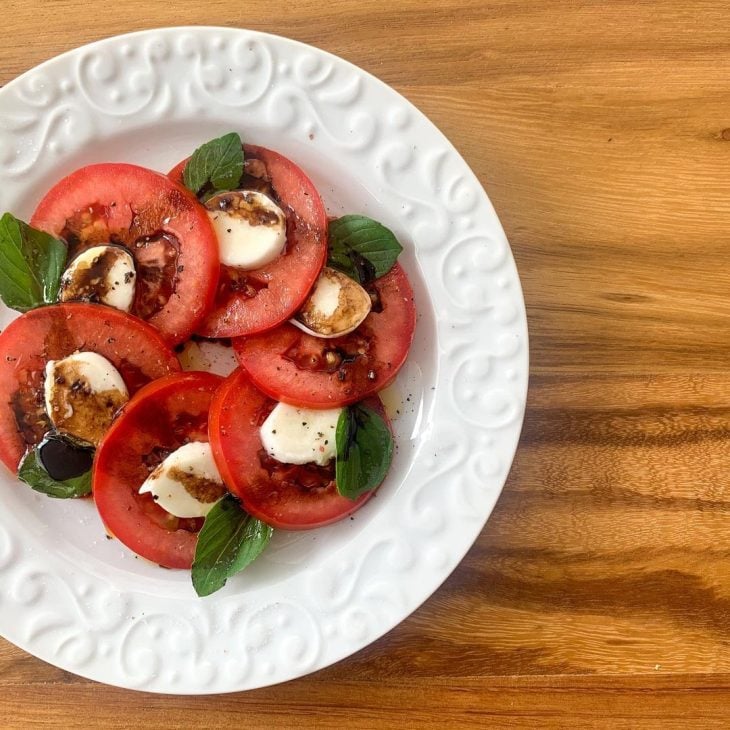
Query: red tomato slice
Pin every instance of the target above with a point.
(286, 496)
(254, 301)
(50, 333)
(162, 225)
(302, 370)
(162, 417)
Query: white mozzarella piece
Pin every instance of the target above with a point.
(103, 274)
(82, 394)
(187, 483)
(300, 435)
(213, 357)
(325, 297)
(336, 306)
(250, 227)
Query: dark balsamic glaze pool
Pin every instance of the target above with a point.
(63, 459)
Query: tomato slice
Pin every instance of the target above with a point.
(162, 417)
(286, 496)
(162, 225)
(254, 301)
(50, 333)
(302, 370)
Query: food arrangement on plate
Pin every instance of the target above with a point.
(201, 353)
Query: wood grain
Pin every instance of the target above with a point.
(599, 593)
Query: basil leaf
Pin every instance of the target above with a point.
(32, 472)
(362, 248)
(216, 165)
(364, 451)
(31, 264)
(229, 540)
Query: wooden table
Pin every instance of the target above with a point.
(599, 592)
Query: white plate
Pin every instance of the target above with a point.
(84, 603)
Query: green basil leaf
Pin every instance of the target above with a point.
(32, 472)
(364, 451)
(229, 540)
(31, 264)
(216, 165)
(362, 248)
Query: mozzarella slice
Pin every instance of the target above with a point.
(103, 274)
(250, 227)
(82, 393)
(336, 306)
(187, 483)
(300, 435)
(211, 356)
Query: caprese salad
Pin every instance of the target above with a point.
(201, 353)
